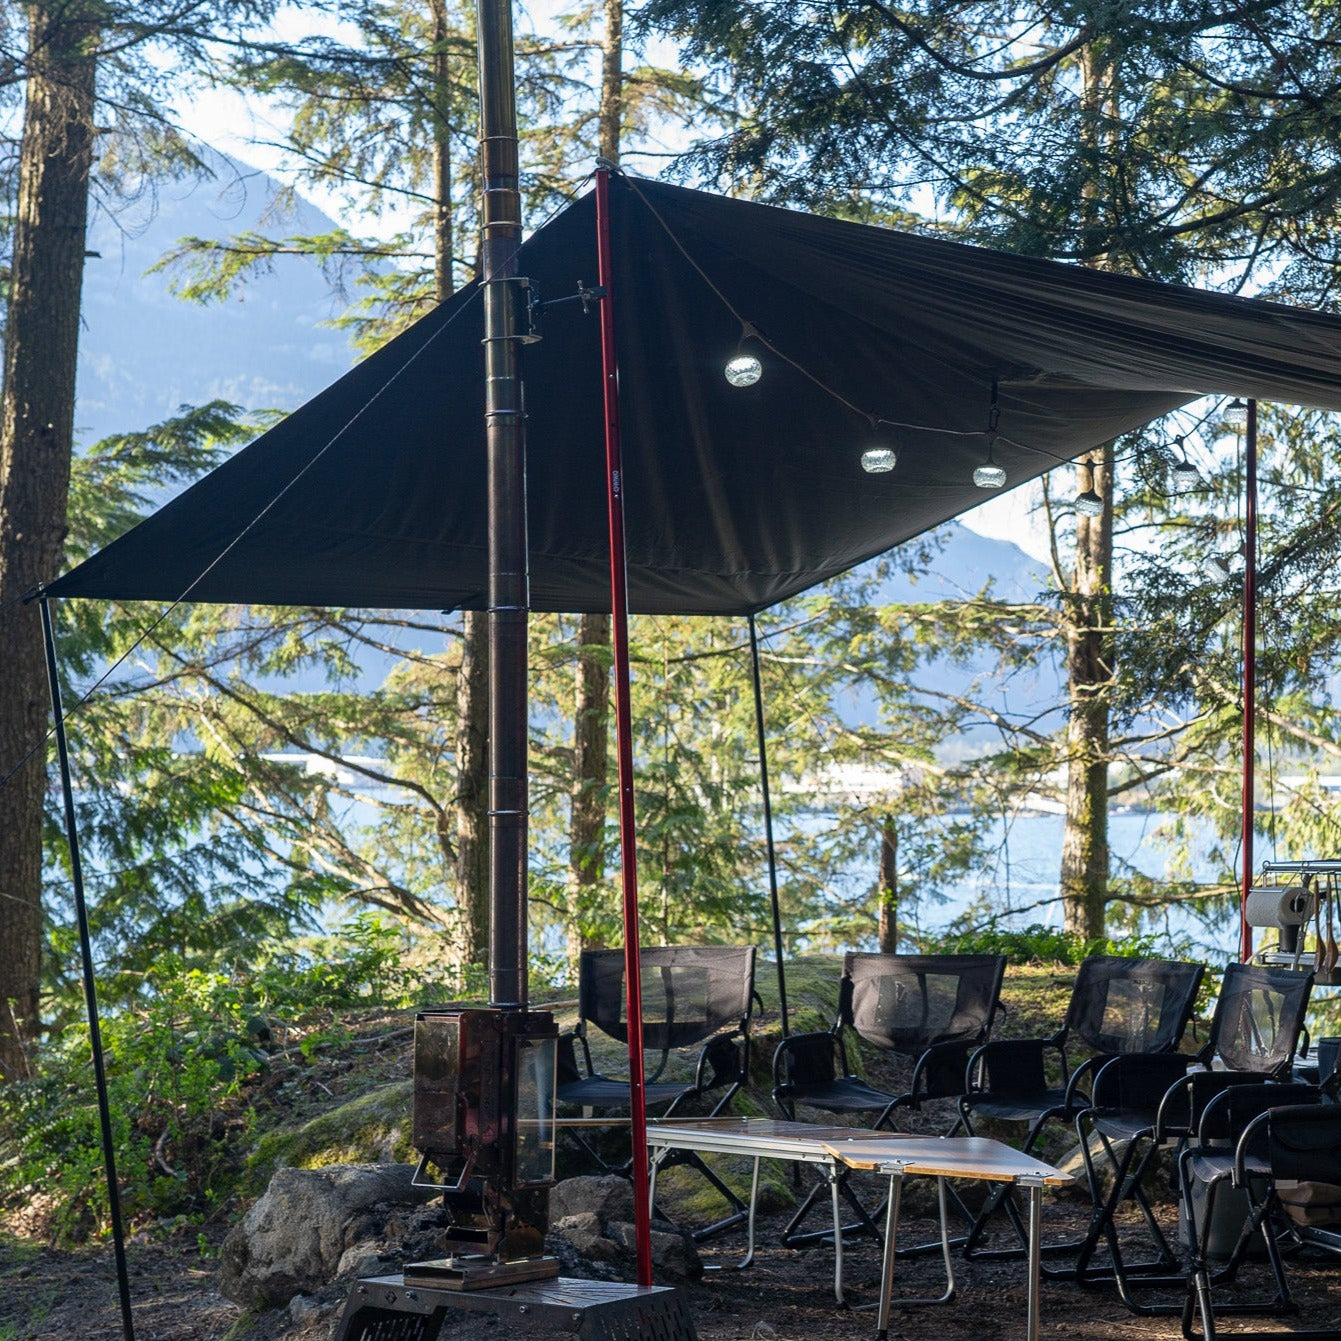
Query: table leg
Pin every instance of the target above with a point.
(754, 1202)
(654, 1163)
(1035, 1186)
(945, 1246)
(887, 1269)
(833, 1176)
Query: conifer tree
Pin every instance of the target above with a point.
(1175, 141)
(83, 59)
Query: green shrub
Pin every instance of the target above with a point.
(186, 1061)
(1038, 944)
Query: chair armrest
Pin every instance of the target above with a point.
(566, 1063)
(1137, 1080)
(940, 1072)
(1018, 1062)
(1184, 1107)
(1075, 1096)
(798, 1053)
(724, 1060)
(1252, 1134)
(1224, 1115)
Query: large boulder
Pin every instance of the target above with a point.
(590, 1224)
(608, 1198)
(297, 1237)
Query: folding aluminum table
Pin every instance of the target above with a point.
(767, 1138)
(952, 1157)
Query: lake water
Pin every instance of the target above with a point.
(1021, 884)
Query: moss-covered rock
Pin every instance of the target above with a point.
(372, 1129)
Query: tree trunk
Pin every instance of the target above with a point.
(889, 887)
(36, 437)
(591, 707)
(472, 802)
(610, 115)
(1089, 662)
(1088, 610)
(591, 739)
(472, 686)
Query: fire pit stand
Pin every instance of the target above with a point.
(384, 1308)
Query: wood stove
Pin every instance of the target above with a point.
(484, 1120)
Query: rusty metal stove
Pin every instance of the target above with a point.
(484, 1119)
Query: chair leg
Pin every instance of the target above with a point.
(739, 1213)
(1128, 1171)
(864, 1224)
(1200, 1303)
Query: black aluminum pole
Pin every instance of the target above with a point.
(1249, 675)
(509, 594)
(768, 823)
(90, 985)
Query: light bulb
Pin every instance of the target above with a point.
(989, 477)
(1216, 567)
(879, 460)
(1236, 415)
(1184, 476)
(1089, 504)
(743, 370)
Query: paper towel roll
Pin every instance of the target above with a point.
(1288, 906)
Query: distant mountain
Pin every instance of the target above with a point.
(144, 352)
(964, 565)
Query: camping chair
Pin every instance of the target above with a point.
(1118, 1006)
(1142, 1103)
(692, 997)
(935, 1009)
(1249, 1137)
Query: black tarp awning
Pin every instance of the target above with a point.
(373, 493)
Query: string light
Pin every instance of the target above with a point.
(743, 368)
(1236, 415)
(879, 460)
(1184, 475)
(1089, 504)
(989, 475)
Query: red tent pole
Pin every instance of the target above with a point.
(1249, 672)
(619, 638)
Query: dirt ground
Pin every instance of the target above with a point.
(786, 1295)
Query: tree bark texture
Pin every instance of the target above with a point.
(889, 887)
(591, 746)
(472, 800)
(1088, 607)
(36, 436)
(591, 707)
(443, 222)
(1089, 661)
(610, 114)
(470, 821)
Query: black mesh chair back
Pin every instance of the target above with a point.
(689, 993)
(1121, 1005)
(908, 1003)
(1304, 1143)
(692, 997)
(1259, 1017)
(1143, 1104)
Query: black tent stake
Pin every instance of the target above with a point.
(768, 823)
(90, 986)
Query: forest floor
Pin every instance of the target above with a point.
(786, 1295)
